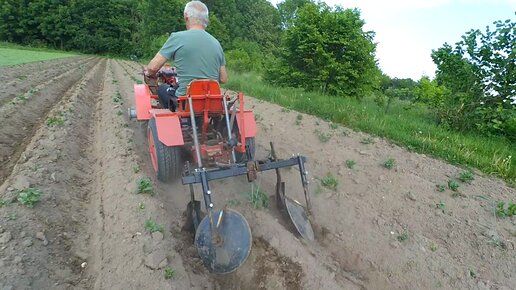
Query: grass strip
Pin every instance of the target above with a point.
(11, 54)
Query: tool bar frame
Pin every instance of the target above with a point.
(200, 175)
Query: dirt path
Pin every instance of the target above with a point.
(378, 229)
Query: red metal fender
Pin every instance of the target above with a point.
(142, 97)
(169, 127)
(248, 129)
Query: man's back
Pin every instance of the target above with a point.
(196, 55)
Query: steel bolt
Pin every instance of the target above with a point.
(208, 192)
(211, 205)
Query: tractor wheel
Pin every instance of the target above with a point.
(166, 160)
(249, 147)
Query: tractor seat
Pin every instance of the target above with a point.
(206, 96)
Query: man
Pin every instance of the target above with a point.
(196, 54)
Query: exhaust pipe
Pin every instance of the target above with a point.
(131, 113)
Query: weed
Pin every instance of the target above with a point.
(12, 216)
(350, 164)
(299, 117)
(334, 126)
(119, 113)
(323, 137)
(501, 211)
(258, 198)
(330, 181)
(285, 110)
(258, 117)
(433, 247)
(141, 205)
(403, 237)
(117, 99)
(21, 98)
(3, 202)
(389, 163)
(55, 121)
(466, 176)
(145, 186)
(169, 273)
(453, 185)
(29, 196)
(440, 187)
(234, 202)
(441, 205)
(152, 226)
(298, 122)
(367, 140)
(136, 168)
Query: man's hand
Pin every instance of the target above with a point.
(148, 73)
(154, 65)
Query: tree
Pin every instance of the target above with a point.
(288, 10)
(480, 73)
(326, 49)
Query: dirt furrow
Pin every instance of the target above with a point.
(376, 228)
(22, 87)
(46, 246)
(24, 117)
(22, 71)
(271, 265)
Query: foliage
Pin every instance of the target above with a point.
(453, 185)
(152, 226)
(323, 136)
(258, 198)
(350, 164)
(502, 211)
(466, 176)
(330, 181)
(326, 49)
(389, 163)
(288, 10)
(479, 74)
(29, 196)
(144, 185)
(169, 273)
(245, 56)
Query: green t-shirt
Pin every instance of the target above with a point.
(196, 55)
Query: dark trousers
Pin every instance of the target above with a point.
(167, 97)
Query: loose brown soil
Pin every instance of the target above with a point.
(379, 229)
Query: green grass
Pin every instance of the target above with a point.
(411, 126)
(14, 54)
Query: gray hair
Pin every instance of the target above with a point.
(197, 12)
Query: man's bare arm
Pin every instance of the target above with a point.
(223, 75)
(155, 64)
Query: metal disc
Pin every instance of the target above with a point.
(229, 250)
(299, 218)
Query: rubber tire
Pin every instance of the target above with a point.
(251, 146)
(169, 158)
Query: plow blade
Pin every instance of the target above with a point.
(225, 249)
(299, 218)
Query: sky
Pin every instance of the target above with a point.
(408, 30)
